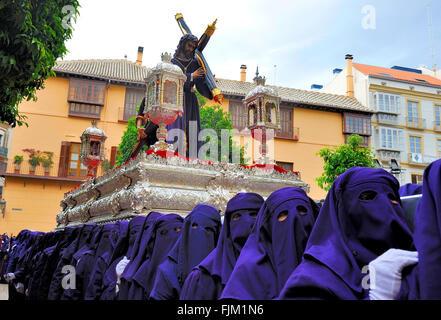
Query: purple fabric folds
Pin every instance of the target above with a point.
(208, 279)
(275, 246)
(428, 233)
(360, 219)
(166, 231)
(124, 247)
(136, 254)
(410, 189)
(198, 238)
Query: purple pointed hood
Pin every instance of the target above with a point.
(275, 246)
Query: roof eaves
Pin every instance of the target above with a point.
(405, 81)
(97, 77)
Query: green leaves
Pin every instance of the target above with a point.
(342, 158)
(31, 40)
(213, 117)
(128, 142)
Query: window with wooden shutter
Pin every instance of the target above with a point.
(86, 98)
(365, 142)
(357, 124)
(288, 166)
(417, 178)
(286, 123)
(113, 152)
(238, 115)
(133, 100)
(64, 158)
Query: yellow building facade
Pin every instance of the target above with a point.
(109, 91)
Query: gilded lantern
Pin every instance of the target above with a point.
(164, 97)
(263, 109)
(92, 148)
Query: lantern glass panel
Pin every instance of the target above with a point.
(94, 148)
(170, 92)
(83, 147)
(270, 109)
(252, 115)
(150, 94)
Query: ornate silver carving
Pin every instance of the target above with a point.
(151, 182)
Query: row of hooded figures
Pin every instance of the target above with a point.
(356, 246)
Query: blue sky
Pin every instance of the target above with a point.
(305, 39)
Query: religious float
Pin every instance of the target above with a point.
(163, 180)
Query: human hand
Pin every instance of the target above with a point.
(120, 267)
(9, 277)
(386, 271)
(142, 134)
(199, 73)
(19, 287)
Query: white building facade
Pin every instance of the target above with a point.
(406, 125)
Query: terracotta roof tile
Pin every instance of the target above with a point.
(120, 70)
(397, 74)
(127, 71)
(240, 88)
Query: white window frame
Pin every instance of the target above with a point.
(391, 138)
(437, 113)
(392, 101)
(415, 144)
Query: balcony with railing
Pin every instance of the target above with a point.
(384, 154)
(386, 118)
(292, 134)
(26, 170)
(420, 159)
(416, 123)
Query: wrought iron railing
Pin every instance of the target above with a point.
(421, 159)
(26, 169)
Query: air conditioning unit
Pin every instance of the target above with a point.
(417, 157)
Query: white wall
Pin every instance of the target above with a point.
(337, 85)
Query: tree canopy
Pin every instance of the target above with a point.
(128, 142)
(212, 117)
(32, 38)
(342, 158)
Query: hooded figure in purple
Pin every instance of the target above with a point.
(102, 259)
(410, 189)
(198, 238)
(428, 234)
(361, 219)
(208, 279)
(103, 240)
(137, 254)
(124, 247)
(274, 248)
(166, 232)
(66, 257)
